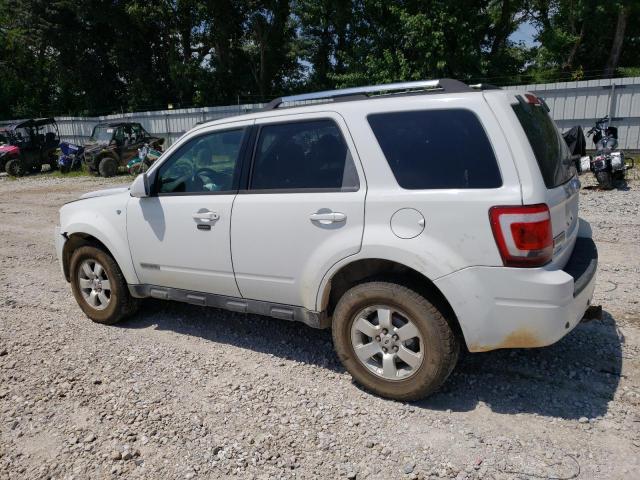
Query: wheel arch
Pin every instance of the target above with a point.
(79, 239)
(365, 269)
(75, 241)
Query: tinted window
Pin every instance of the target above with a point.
(436, 149)
(204, 164)
(550, 149)
(303, 155)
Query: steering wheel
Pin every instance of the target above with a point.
(206, 171)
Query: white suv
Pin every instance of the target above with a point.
(411, 218)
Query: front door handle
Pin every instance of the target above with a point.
(328, 217)
(206, 216)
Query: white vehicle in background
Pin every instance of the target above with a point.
(413, 219)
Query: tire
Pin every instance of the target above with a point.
(438, 345)
(605, 180)
(53, 163)
(108, 167)
(119, 305)
(14, 167)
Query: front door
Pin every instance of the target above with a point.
(179, 236)
(303, 210)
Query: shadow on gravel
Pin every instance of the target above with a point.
(620, 185)
(286, 340)
(576, 377)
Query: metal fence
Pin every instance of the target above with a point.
(582, 103)
(571, 103)
(170, 124)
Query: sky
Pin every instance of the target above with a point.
(525, 33)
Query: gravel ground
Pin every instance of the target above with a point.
(186, 392)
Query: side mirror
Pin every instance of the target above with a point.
(140, 187)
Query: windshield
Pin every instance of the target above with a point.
(102, 134)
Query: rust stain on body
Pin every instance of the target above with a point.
(521, 338)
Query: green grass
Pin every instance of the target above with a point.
(73, 173)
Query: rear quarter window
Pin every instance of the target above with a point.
(551, 151)
(436, 149)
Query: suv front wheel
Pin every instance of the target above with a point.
(393, 341)
(99, 286)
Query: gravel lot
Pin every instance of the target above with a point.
(186, 392)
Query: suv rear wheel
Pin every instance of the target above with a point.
(99, 286)
(393, 341)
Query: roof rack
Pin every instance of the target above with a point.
(443, 85)
(484, 86)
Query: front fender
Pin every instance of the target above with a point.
(106, 222)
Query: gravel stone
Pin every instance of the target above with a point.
(181, 391)
(408, 468)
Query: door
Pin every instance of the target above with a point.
(179, 236)
(302, 210)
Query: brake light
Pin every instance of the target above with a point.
(523, 234)
(532, 99)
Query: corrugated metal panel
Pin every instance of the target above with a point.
(582, 102)
(571, 103)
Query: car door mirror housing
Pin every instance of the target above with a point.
(140, 187)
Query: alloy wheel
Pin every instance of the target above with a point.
(94, 284)
(387, 342)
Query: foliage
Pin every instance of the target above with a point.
(104, 56)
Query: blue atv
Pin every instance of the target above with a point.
(72, 157)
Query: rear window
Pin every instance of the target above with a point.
(549, 148)
(435, 149)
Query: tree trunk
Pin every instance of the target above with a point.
(618, 40)
(502, 29)
(574, 50)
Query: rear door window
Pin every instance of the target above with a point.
(436, 149)
(308, 155)
(550, 149)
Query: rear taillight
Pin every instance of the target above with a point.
(523, 234)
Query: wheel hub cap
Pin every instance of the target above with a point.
(387, 342)
(94, 284)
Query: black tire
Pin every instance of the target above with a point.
(14, 167)
(53, 162)
(108, 167)
(441, 345)
(121, 303)
(619, 175)
(605, 180)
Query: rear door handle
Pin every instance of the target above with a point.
(206, 216)
(328, 217)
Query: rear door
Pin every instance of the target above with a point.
(544, 151)
(302, 210)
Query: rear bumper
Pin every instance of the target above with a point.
(500, 307)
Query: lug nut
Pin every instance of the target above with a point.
(395, 348)
(377, 338)
(384, 331)
(384, 349)
(395, 337)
